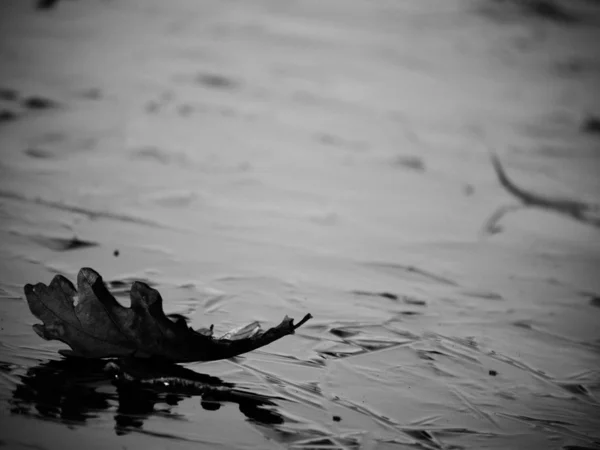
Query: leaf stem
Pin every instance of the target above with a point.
(305, 319)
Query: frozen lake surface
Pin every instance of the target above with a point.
(260, 159)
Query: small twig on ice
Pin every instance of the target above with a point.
(578, 210)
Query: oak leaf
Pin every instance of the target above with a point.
(91, 321)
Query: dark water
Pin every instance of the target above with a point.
(256, 160)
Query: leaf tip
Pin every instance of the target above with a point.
(90, 276)
(29, 291)
(62, 284)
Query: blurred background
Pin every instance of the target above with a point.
(252, 159)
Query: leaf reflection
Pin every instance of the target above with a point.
(76, 391)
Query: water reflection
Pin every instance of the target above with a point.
(76, 391)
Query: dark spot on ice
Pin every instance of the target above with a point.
(175, 199)
(425, 354)
(413, 301)
(327, 139)
(410, 313)
(337, 418)
(493, 373)
(523, 324)
(7, 115)
(410, 162)
(468, 189)
(542, 421)
(185, 110)
(549, 10)
(116, 253)
(151, 152)
(152, 106)
(160, 155)
(552, 11)
(39, 103)
(369, 345)
(544, 9)
(338, 141)
(387, 295)
(352, 351)
(595, 301)
(38, 153)
(64, 244)
(486, 295)
(46, 4)
(342, 332)
(421, 435)
(216, 81)
(591, 124)
(574, 388)
(408, 300)
(571, 67)
(92, 94)
(157, 104)
(8, 94)
(313, 386)
(505, 395)
(402, 269)
(319, 443)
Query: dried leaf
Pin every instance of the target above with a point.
(95, 325)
